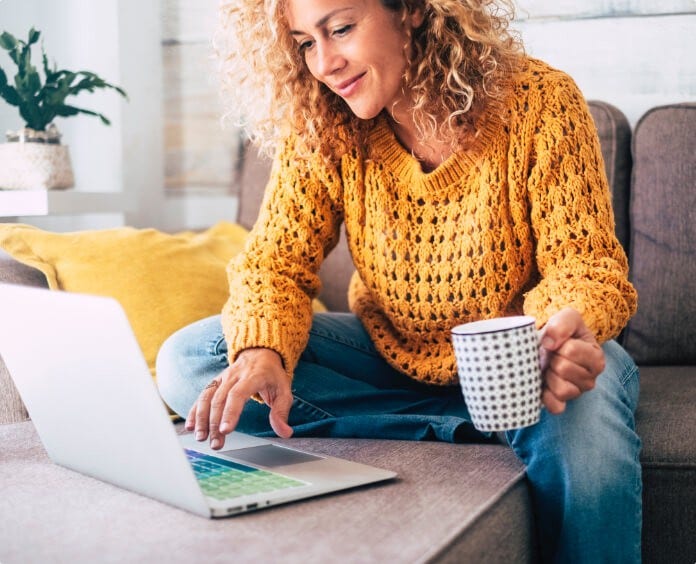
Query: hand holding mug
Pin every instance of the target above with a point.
(571, 359)
(507, 368)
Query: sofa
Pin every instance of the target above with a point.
(450, 503)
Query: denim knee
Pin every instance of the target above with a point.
(188, 360)
(585, 471)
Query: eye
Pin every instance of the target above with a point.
(304, 45)
(342, 30)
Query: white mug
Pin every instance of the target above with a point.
(499, 371)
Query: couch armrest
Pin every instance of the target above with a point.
(12, 409)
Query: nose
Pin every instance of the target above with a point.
(329, 59)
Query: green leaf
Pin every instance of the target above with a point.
(8, 41)
(40, 102)
(66, 111)
(32, 115)
(33, 36)
(92, 81)
(28, 84)
(10, 95)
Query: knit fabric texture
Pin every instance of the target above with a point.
(520, 222)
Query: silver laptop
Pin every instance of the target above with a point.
(87, 388)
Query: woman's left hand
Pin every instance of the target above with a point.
(571, 359)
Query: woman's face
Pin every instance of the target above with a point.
(356, 48)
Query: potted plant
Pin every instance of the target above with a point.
(33, 156)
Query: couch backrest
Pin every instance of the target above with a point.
(663, 236)
(615, 140)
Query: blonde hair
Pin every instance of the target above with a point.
(458, 64)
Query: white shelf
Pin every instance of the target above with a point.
(14, 203)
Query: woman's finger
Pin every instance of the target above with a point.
(217, 406)
(552, 403)
(568, 370)
(190, 423)
(202, 415)
(280, 412)
(561, 388)
(235, 400)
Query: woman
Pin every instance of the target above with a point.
(470, 182)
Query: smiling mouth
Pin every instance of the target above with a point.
(346, 88)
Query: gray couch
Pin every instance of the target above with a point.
(451, 503)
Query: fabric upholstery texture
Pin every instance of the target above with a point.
(663, 245)
(442, 490)
(14, 272)
(615, 138)
(666, 421)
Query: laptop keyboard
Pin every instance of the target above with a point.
(224, 479)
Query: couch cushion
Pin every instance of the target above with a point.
(663, 243)
(447, 503)
(14, 272)
(615, 139)
(12, 409)
(666, 423)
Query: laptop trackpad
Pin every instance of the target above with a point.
(270, 456)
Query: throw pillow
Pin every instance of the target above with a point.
(163, 281)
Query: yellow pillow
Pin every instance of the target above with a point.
(164, 282)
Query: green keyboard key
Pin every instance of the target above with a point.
(222, 479)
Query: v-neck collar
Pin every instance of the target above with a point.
(384, 146)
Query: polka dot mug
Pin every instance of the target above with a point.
(499, 371)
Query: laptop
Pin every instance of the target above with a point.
(84, 381)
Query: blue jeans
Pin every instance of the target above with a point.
(583, 465)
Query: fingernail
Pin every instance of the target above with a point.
(215, 443)
(547, 342)
(200, 435)
(224, 427)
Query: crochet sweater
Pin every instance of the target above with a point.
(521, 222)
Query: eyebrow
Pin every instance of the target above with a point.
(321, 22)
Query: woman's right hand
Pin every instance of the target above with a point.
(219, 406)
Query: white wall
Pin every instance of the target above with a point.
(72, 39)
(120, 41)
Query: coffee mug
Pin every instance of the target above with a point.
(499, 371)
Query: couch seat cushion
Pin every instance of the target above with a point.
(666, 416)
(666, 421)
(450, 502)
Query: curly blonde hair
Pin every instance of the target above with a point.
(459, 62)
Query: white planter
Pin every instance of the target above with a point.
(35, 166)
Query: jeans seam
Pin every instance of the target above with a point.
(215, 348)
(303, 403)
(627, 374)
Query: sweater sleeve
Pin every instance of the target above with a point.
(273, 281)
(580, 261)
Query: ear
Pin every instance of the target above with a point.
(416, 17)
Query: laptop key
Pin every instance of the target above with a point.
(223, 479)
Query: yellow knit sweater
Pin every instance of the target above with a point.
(519, 223)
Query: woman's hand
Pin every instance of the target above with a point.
(255, 371)
(571, 359)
